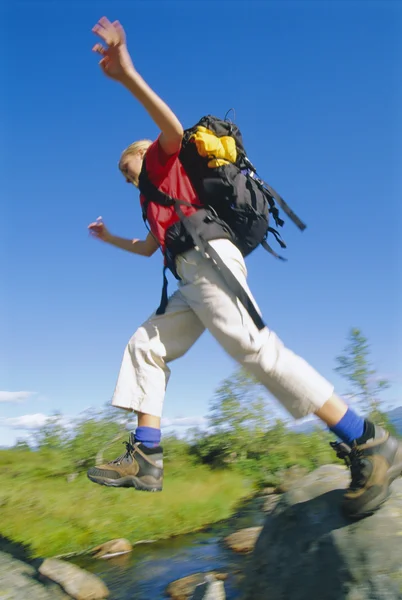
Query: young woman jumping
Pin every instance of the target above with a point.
(204, 301)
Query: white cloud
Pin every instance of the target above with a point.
(25, 421)
(175, 423)
(184, 422)
(15, 396)
(388, 376)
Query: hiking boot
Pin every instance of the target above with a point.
(139, 467)
(374, 464)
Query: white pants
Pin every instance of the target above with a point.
(203, 301)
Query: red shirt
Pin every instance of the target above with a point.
(167, 173)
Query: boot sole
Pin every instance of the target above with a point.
(126, 482)
(393, 472)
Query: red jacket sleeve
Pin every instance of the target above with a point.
(158, 162)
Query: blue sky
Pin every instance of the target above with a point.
(317, 92)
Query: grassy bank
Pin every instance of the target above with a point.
(40, 508)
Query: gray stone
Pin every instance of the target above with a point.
(17, 582)
(267, 491)
(243, 540)
(270, 503)
(210, 589)
(308, 550)
(78, 583)
(182, 589)
(289, 477)
(112, 548)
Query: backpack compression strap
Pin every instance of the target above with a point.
(152, 194)
(280, 201)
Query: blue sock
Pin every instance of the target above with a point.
(349, 428)
(149, 436)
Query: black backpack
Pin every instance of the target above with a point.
(237, 204)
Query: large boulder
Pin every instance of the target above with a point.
(308, 550)
(289, 477)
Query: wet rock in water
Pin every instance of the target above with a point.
(210, 589)
(18, 582)
(79, 584)
(112, 548)
(243, 540)
(182, 589)
(308, 549)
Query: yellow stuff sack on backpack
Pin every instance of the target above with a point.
(220, 150)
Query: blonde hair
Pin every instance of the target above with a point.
(134, 148)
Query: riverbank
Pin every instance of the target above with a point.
(150, 569)
(54, 516)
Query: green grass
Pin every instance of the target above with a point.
(40, 508)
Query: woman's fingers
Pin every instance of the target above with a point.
(103, 34)
(120, 31)
(99, 49)
(107, 31)
(104, 21)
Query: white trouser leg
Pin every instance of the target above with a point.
(299, 388)
(144, 373)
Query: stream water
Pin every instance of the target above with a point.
(145, 573)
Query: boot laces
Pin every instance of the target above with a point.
(354, 460)
(125, 456)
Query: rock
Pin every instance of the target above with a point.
(112, 548)
(270, 503)
(307, 549)
(140, 542)
(243, 540)
(267, 491)
(181, 589)
(289, 478)
(17, 582)
(210, 589)
(78, 583)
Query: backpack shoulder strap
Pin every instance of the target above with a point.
(152, 194)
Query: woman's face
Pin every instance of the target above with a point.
(131, 166)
